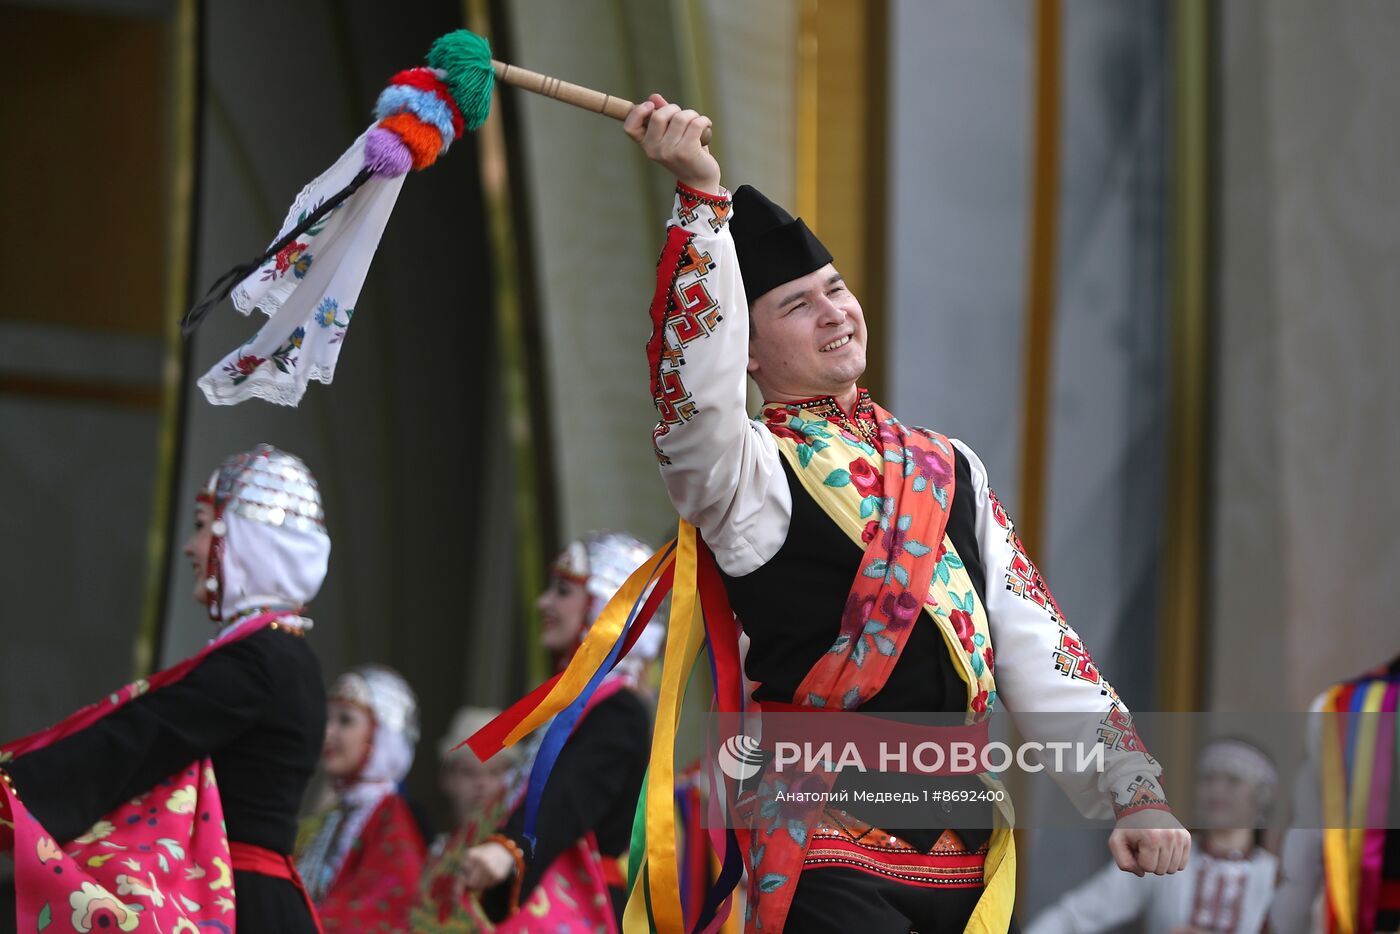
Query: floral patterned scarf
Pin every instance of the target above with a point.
(889, 488)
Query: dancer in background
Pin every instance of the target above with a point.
(1227, 885)
(1343, 844)
(475, 790)
(131, 775)
(478, 793)
(571, 878)
(362, 862)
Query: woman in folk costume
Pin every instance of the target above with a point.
(1229, 882)
(117, 814)
(477, 793)
(364, 857)
(555, 863)
(475, 790)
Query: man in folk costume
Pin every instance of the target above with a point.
(947, 613)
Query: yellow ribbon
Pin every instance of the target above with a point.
(1334, 837)
(601, 637)
(684, 638)
(992, 915)
(634, 916)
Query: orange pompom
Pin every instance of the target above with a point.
(423, 140)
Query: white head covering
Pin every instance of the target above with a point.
(602, 562)
(1242, 760)
(393, 707)
(270, 542)
(391, 702)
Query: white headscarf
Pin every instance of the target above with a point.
(393, 708)
(1242, 760)
(602, 562)
(271, 548)
(265, 565)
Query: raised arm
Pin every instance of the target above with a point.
(721, 469)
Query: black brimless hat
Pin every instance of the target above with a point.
(773, 248)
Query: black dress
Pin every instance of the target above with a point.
(256, 706)
(594, 786)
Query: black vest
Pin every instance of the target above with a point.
(791, 610)
(791, 607)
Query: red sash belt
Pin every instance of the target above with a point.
(250, 858)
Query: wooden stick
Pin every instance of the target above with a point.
(576, 94)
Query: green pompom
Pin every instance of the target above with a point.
(466, 58)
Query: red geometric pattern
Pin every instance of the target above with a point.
(694, 261)
(1117, 731)
(1024, 580)
(1144, 794)
(674, 403)
(695, 312)
(998, 511)
(681, 313)
(671, 355)
(1073, 659)
(691, 201)
(666, 384)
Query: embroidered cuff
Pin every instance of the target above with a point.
(695, 210)
(1143, 793)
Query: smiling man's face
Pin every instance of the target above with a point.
(808, 338)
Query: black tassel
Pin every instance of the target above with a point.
(225, 283)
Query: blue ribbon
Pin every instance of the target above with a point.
(566, 719)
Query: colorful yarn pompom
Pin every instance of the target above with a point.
(420, 113)
(386, 155)
(465, 59)
(423, 140)
(425, 79)
(424, 105)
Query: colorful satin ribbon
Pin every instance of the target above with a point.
(1357, 766)
(700, 617)
(564, 723)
